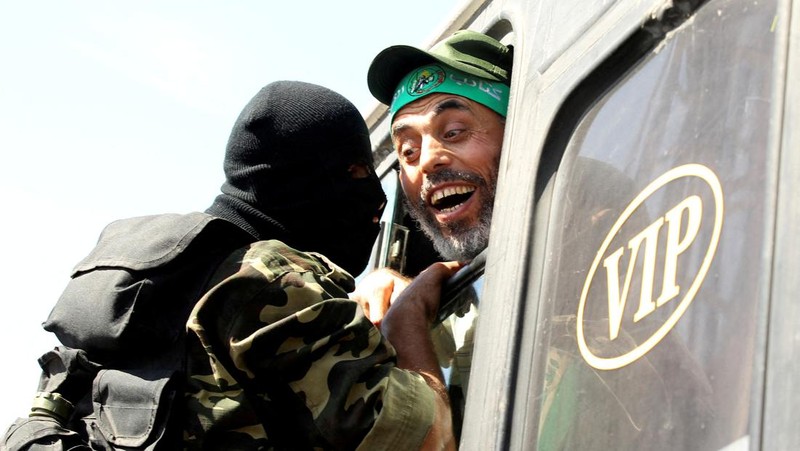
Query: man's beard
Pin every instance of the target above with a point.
(463, 241)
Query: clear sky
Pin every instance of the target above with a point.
(112, 109)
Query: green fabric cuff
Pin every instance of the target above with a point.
(407, 415)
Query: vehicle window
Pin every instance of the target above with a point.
(648, 335)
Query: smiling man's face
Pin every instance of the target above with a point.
(449, 149)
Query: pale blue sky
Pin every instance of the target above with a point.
(111, 109)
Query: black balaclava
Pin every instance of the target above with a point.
(287, 174)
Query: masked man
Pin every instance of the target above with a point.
(231, 328)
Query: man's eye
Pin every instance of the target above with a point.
(450, 134)
(409, 153)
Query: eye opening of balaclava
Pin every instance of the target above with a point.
(287, 178)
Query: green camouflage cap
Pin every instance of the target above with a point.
(466, 50)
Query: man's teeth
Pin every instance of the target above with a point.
(449, 199)
(450, 191)
(448, 210)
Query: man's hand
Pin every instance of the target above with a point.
(407, 326)
(377, 291)
(414, 309)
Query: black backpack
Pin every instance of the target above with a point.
(122, 321)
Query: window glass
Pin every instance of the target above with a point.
(652, 305)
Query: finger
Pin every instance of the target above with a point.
(379, 301)
(365, 308)
(437, 272)
(398, 287)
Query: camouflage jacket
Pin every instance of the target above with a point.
(281, 359)
(275, 356)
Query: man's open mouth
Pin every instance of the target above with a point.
(449, 198)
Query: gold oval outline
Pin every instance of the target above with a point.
(688, 170)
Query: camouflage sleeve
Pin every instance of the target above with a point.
(317, 372)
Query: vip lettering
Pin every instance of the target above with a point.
(647, 260)
(646, 243)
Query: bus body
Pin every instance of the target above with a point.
(639, 290)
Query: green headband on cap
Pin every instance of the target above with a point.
(433, 78)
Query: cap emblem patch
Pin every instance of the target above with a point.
(424, 80)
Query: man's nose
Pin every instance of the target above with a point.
(433, 155)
